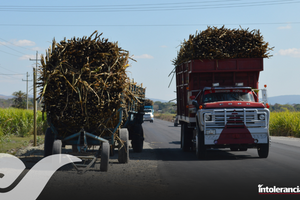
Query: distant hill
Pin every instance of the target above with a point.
(284, 99)
(163, 101)
(5, 97)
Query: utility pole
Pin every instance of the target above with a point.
(34, 97)
(27, 89)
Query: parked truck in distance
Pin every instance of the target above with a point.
(218, 106)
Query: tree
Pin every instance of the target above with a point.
(19, 99)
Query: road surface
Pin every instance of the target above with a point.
(163, 171)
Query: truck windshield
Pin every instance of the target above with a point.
(232, 96)
(147, 110)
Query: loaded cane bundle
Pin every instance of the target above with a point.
(223, 43)
(83, 84)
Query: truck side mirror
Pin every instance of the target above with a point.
(195, 103)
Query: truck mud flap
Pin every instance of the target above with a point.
(235, 135)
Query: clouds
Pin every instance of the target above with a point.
(20, 43)
(143, 56)
(23, 43)
(27, 57)
(285, 27)
(293, 52)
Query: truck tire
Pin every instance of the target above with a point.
(137, 141)
(48, 143)
(186, 137)
(57, 144)
(105, 148)
(263, 150)
(123, 154)
(200, 147)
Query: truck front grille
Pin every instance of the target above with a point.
(235, 118)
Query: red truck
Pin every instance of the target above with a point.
(218, 106)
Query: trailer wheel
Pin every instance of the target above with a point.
(105, 148)
(137, 141)
(263, 150)
(57, 144)
(123, 154)
(48, 143)
(200, 147)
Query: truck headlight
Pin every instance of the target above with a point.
(207, 117)
(261, 117)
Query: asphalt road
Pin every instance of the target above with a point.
(225, 173)
(163, 171)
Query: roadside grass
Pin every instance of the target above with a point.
(16, 129)
(165, 116)
(12, 143)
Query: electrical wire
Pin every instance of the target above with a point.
(10, 53)
(148, 25)
(146, 7)
(15, 45)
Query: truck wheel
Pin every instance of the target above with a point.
(48, 143)
(200, 147)
(105, 148)
(137, 141)
(57, 147)
(263, 150)
(123, 154)
(186, 137)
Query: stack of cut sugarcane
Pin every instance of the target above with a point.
(148, 102)
(83, 84)
(223, 43)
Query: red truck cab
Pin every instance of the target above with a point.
(218, 106)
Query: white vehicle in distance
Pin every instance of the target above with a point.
(148, 116)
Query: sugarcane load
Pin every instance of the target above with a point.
(84, 88)
(217, 72)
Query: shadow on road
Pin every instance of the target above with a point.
(176, 154)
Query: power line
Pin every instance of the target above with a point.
(146, 7)
(15, 45)
(10, 74)
(149, 25)
(10, 53)
(10, 48)
(9, 70)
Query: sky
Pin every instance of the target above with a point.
(151, 31)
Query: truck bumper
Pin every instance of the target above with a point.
(228, 136)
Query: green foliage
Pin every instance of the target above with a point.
(167, 107)
(285, 124)
(282, 108)
(19, 122)
(19, 99)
